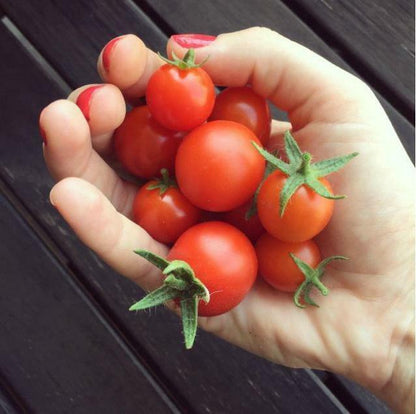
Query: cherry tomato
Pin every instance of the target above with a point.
(276, 266)
(252, 227)
(243, 105)
(164, 216)
(180, 99)
(143, 146)
(223, 259)
(217, 166)
(306, 214)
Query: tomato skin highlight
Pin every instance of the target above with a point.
(223, 259)
(164, 216)
(180, 99)
(276, 266)
(243, 105)
(143, 146)
(306, 214)
(217, 166)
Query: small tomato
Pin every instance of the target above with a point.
(277, 267)
(143, 146)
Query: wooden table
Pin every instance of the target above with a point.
(67, 341)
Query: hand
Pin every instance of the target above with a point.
(364, 328)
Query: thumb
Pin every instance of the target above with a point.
(291, 76)
(107, 232)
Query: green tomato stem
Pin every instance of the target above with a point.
(180, 283)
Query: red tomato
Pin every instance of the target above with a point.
(252, 227)
(217, 166)
(243, 105)
(306, 214)
(143, 146)
(180, 99)
(164, 216)
(223, 259)
(276, 266)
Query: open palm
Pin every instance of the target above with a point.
(360, 325)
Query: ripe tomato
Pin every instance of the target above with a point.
(276, 266)
(306, 214)
(180, 99)
(164, 216)
(217, 166)
(252, 227)
(243, 105)
(143, 146)
(223, 259)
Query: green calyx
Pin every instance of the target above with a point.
(252, 211)
(180, 283)
(312, 278)
(188, 61)
(163, 183)
(300, 170)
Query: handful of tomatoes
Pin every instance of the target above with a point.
(230, 209)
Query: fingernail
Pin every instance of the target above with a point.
(108, 48)
(43, 134)
(193, 40)
(51, 200)
(84, 100)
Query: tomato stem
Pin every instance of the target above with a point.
(180, 283)
(163, 183)
(306, 164)
(301, 171)
(187, 62)
(312, 279)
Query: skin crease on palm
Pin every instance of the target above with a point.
(364, 328)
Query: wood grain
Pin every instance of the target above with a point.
(377, 39)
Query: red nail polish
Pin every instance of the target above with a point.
(193, 40)
(107, 52)
(84, 99)
(43, 135)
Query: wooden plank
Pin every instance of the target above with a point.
(377, 39)
(203, 379)
(10, 403)
(71, 34)
(54, 350)
(364, 402)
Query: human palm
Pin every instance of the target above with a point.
(368, 309)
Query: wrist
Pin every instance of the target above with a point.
(383, 361)
(399, 390)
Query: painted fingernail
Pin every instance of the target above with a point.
(193, 40)
(84, 100)
(43, 135)
(108, 49)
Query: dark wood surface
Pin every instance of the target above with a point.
(67, 341)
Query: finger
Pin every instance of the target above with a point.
(293, 77)
(68, 152)
(127, 63)
(276, 141)
(108, 233)
(104, 109)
